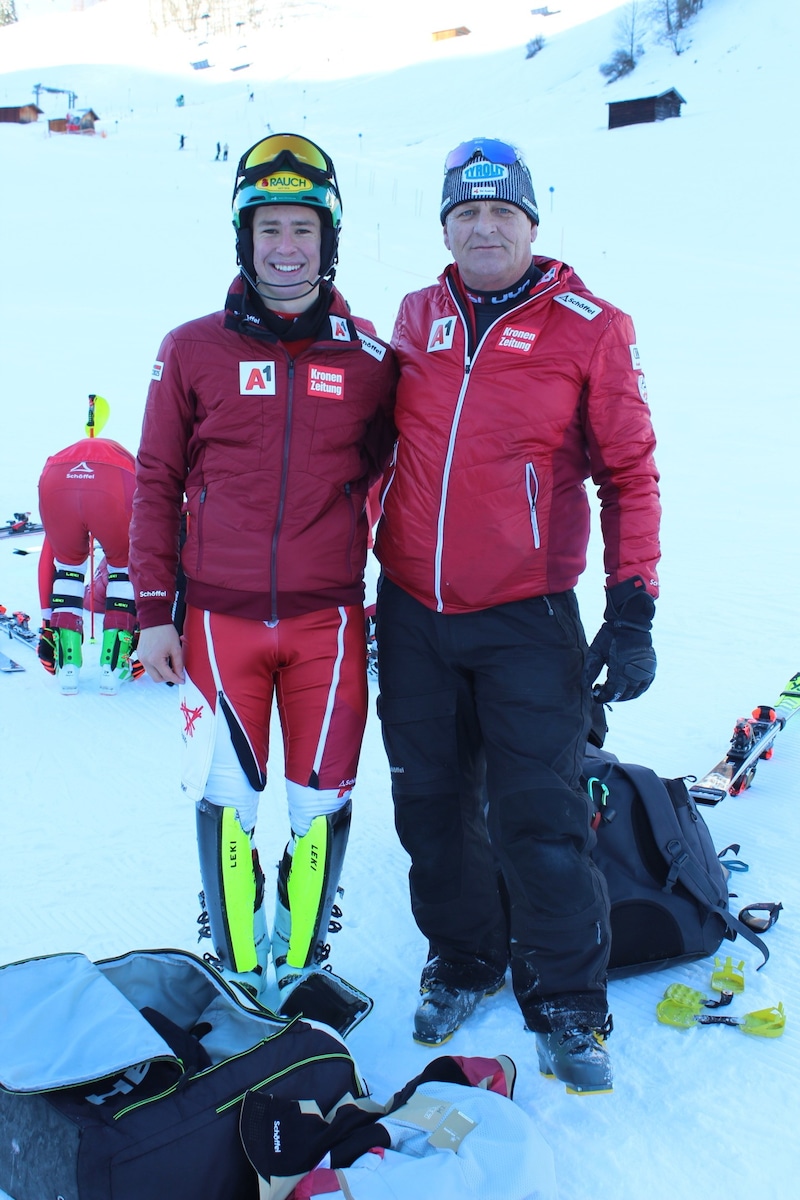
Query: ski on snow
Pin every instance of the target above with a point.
(19, 526)
(7, 664)
(752, 740)
(16, 625)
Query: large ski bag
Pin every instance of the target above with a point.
(667, 886)
(124, 1079)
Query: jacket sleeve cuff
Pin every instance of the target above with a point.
(150, 613)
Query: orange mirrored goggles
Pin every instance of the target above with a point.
(279, 149)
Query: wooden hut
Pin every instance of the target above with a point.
(646, 109)
(81, 121)
(441, 35)
(23, 114)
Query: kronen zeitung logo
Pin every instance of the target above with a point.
(285, 183)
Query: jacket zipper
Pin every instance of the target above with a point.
(348, 491)
(200, 510)
(393, 470)
(532, 488)
(469, 360)
(287, 437)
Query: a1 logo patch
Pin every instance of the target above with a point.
(256, 378)
(442, 334)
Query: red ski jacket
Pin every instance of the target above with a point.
(484, 501)
(275, 456)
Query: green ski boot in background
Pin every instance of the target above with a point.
(69, 659)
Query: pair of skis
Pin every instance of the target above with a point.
(752, 740)
(15, 625)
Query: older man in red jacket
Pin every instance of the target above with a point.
(516, 385)
(274, 418)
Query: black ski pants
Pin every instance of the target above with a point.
(484, 719)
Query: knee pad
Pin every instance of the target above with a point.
(233, 883)
(307, 885)
(306, 803)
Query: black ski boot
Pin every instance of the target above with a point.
(443, 1009)
(578, 1057)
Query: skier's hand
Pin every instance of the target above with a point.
(161, 652)
(623, 644)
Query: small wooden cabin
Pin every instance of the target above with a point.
(442, 34)
(648, 108)
(74, 122)
(23, 114)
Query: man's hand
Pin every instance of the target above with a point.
(161, 652)
(623, 644)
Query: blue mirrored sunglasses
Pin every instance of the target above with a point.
(491, 149)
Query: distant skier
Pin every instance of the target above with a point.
(182, 142)
(225, 152)
(219, 151)
(85, 491)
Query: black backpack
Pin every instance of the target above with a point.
(667, 886)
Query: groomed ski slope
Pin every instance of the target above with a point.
(690, 225)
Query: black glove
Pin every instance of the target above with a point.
(46, 648)
(624, 644)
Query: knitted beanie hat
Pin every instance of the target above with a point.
(481, 179)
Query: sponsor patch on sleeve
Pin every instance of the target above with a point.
(157, 372)
(441, 334)
(372, 347)
(579, 304)
(257, 378)
(339, 330)
(636, 358)
(326, 381)
(643, 388)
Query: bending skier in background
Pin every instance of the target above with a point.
(274, 418)
(86, 492)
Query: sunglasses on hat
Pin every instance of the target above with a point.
(492, 150)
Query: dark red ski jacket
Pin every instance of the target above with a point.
(484, 502)
(275, 456)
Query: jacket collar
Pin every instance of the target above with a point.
(328, 319)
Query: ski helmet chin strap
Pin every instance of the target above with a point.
(244, 257)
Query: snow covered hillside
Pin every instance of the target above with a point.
(689, 224)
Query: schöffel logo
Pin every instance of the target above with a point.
(483, 170)
(81, 471)
(579, 304)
